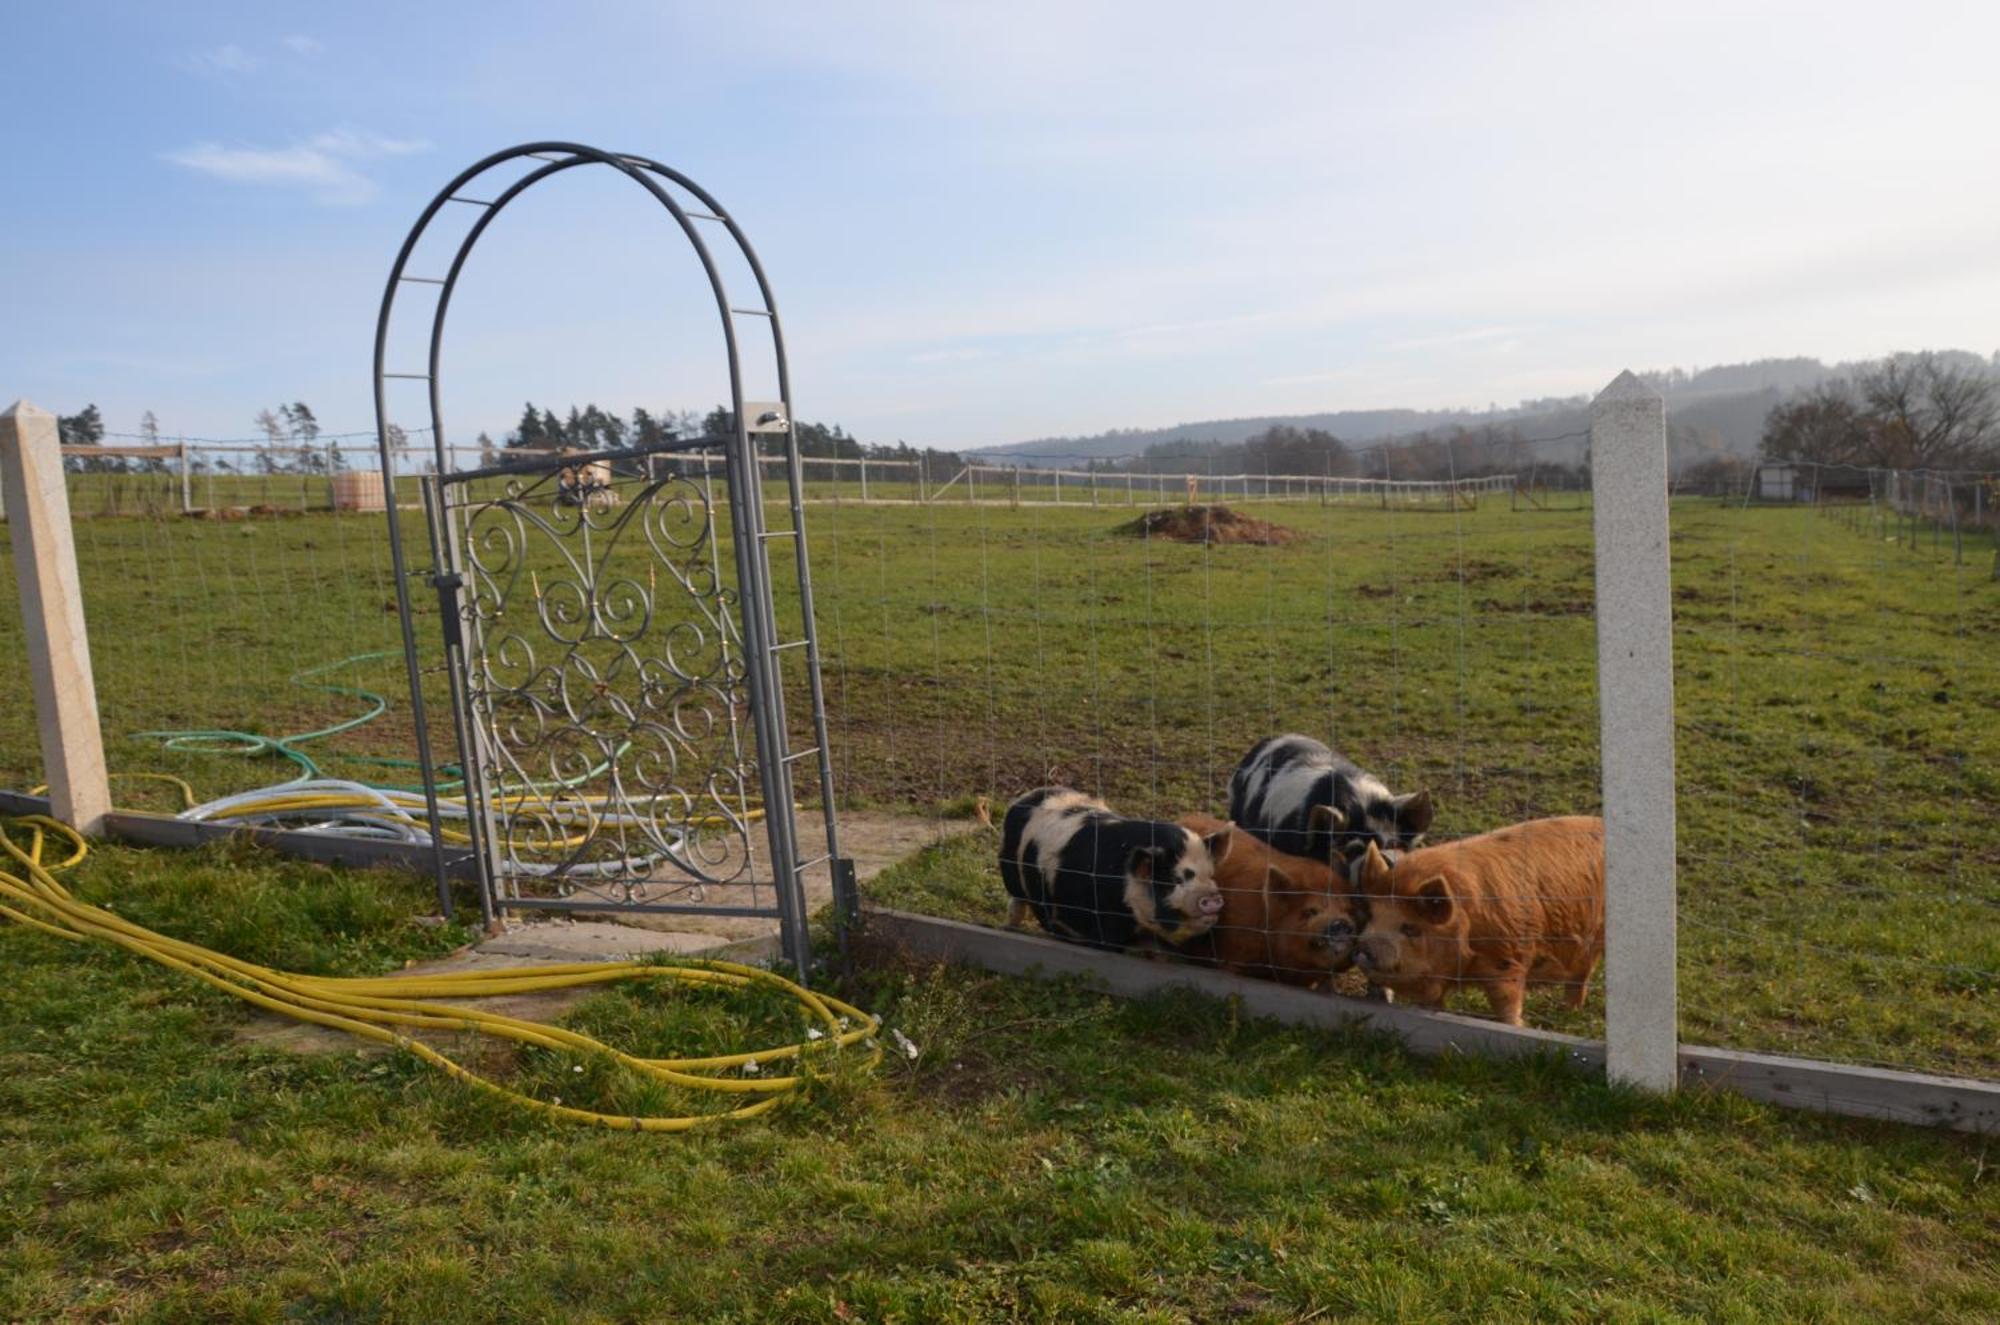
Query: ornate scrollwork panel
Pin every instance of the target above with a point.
(607, 686)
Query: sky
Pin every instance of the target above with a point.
(989, 223)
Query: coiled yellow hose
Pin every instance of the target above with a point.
(379, 1008)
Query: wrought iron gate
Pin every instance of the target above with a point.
(612, 658)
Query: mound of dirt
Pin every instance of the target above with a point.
(1207, 524)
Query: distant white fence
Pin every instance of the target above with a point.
(194, 477)
(905, 482)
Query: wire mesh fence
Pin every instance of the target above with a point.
(989, 630)
(1838, 809)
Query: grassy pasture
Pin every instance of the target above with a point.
(1839, 760)
(1049, 1155)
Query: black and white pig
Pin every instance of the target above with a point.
(1096, 877)
(1305, 800)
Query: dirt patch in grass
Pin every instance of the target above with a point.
(1207, 524)
(1539, 606)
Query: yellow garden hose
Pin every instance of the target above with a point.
(385, 1008)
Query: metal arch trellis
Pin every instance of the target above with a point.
(601, 739)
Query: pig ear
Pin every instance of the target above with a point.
(1374, 869)
(1326, 819)
(1218, 844)
(1413, 812)
(1139, 864)
(1277, 883)
(1434, 899)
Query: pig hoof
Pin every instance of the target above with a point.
(1381, 994)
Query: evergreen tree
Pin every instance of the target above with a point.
(304, 426)
(610, 429)
(303, 430)
(529, 431)
(84, 428)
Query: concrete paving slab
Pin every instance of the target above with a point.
(874, 841)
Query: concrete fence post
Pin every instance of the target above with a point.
(1635, 688)
(31, 474)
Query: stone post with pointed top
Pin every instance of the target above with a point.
(1635, 688)
(31, 474)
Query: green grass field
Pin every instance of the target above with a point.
(1839, 758)
(1050, 1154)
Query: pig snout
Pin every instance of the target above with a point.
(1208, 904)
(1337, 939)
(1375, 955)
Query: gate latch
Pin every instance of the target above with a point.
(448, 584)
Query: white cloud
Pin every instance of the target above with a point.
(220, 62)
(300, 44)
(1473, 336)
(324, 164)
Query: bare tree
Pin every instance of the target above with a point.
(274, 437)
(399, 443)
(1929, 413)
(1910, 411)
(1824, 427)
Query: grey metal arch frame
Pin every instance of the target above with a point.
(751, 535)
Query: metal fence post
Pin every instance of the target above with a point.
(31, 474)
(1635, 688)
(1957, 542)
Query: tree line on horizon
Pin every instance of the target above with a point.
(1925, 410)
(590, 428)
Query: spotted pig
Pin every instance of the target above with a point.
(1305, 800)
(1095, 877)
